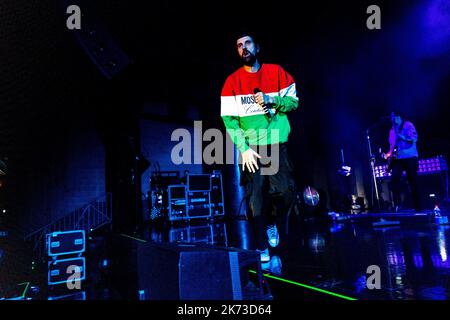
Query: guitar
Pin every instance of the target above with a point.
(391, 158)
(394, 155)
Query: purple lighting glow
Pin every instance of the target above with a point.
(436, 27)
(418, 262)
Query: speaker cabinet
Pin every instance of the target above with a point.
(174, 271)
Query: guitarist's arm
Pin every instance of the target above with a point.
(392, 140)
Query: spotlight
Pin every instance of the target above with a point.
(317, 243)
(311, 196)
(345, 171)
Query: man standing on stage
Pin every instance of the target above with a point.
(255, 101)
(403, 156)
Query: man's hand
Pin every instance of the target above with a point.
(263, 99)
(249, 160)
(385, 156)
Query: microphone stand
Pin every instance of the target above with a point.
(372, 169)
(382, 222)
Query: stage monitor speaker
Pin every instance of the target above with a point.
(97, 42)
(175, 271)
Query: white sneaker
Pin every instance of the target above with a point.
(274, 265)
(273, 236)
(265, 256)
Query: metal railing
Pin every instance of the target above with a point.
(90, 217)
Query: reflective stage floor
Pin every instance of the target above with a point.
(335, 257)
(320, 260)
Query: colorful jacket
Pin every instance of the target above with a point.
(244, 119)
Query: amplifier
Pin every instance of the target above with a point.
(199, 182)
(198, 204)
(177, 203)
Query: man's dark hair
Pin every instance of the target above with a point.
(398, 113)
(247, 32)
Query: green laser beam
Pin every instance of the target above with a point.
(306, 286)
(26, 288)
(134, 238)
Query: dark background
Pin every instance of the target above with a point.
(69, 133)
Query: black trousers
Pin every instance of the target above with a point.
(410, 166)
(269, 196)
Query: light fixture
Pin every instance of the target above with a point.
(345, 171)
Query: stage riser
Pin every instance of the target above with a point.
(404, 220)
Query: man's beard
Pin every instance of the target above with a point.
(249, 60)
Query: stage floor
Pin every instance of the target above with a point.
(330, 260)
(320, 260)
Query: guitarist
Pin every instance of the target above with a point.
(403, 156)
